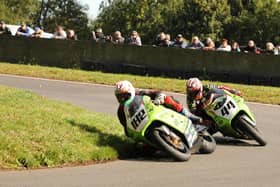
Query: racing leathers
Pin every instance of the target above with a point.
(197, 106)
(159, 98)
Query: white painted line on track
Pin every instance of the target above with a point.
(104, 85)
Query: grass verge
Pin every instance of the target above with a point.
(37, 132)
(262, 94)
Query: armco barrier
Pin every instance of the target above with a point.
(169, 62)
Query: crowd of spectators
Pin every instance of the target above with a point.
(161, 40)
(164, 40)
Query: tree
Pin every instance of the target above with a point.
(18, 11)
(68, 13)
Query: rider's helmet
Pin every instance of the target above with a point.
(194, 89)
(124, 92)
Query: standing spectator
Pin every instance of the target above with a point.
(117, 38)
(270, 49)
(251, 48)
(38, 33)
(98, 36)
(195, 44)
(24, 30)
(180, 42)
(60, 33)
(71, 35)
(224, 46)
(209, 45)
(161, 40)
(235, 47)
(4, 30)
(134, 39)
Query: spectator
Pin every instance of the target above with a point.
(117, 38)
(134, 39)
(38, 33)
(180, 42)
(209, 45)
(71, 35)
(270, 49)
(235, 47)
(98, 36)
(277, 50)
(224, 46)
(195, 44)
(251, 48)
(4, 30)
(168, 39)
(162, 40)
(24, 30)
(60, 33)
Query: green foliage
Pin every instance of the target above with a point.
(68, 13)
(239, 20)
(18, 11)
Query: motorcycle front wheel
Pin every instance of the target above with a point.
(244, 123)
(172, 144)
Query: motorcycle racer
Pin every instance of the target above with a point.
(125, 93)
(199, 95)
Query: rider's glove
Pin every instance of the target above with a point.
(159, 100)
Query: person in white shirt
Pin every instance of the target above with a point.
(60, 33)
(224, 46)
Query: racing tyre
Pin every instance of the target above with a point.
(171, 143)
(250, 129)
(208, 143)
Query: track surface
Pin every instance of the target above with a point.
(231, 165)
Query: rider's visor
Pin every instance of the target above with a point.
(122, 97)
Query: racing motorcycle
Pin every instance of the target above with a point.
(166, 130)
(233, 117)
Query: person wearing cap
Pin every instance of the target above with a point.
(24, 31)
(38, 33)
(4, 30)
(180, 42)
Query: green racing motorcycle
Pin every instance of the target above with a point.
(166, 130)
(233, 117)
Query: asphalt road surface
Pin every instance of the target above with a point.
(231, 164)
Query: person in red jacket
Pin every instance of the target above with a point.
(125, 93)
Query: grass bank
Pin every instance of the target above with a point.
(37, 132)
(262, 94)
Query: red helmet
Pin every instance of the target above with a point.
(194, 88)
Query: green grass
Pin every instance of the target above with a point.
(262, 94)
(37, 132)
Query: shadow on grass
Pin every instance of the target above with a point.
(220, 140)
(125, 147)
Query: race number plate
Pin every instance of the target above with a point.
(228, 110)
(138, 121)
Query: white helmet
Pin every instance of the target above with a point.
(124, 92)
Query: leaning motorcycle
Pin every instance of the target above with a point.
(233, 117)
(166, 129)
